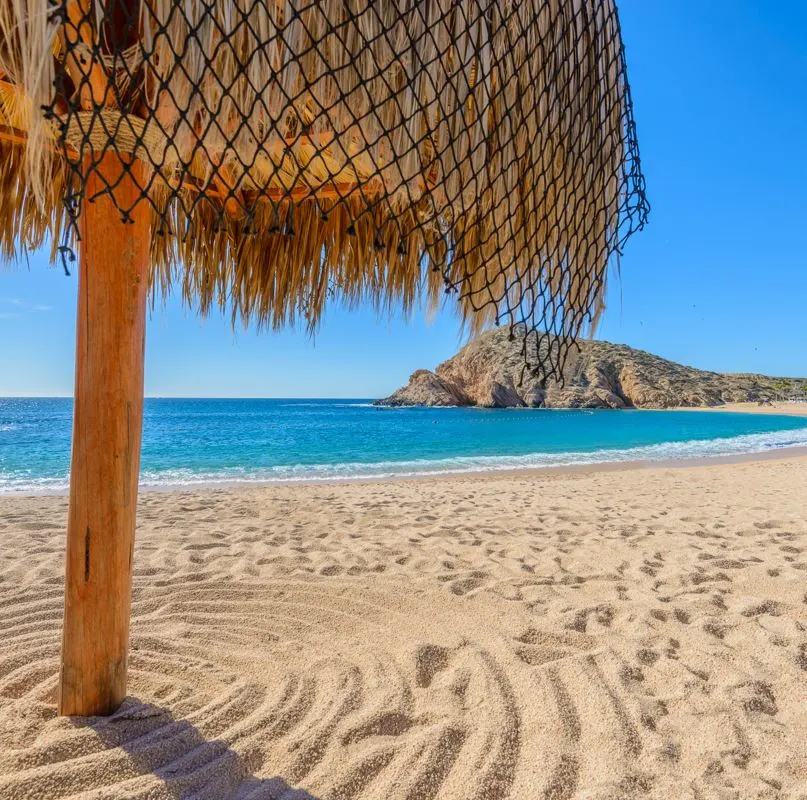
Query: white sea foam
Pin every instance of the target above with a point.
(749, 443)
(17, 483)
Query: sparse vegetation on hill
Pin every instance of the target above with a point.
(488, 372)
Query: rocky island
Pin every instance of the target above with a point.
(488, 372)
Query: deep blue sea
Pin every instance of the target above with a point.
(187, 442)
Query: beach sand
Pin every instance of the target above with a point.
(780, 407)
(630, 634)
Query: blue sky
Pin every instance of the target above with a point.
(718, 279)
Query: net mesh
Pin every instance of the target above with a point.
(486, 148)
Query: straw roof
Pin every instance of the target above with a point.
(379, 151)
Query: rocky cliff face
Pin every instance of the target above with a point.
(487, 372)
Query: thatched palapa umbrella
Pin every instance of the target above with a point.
(267, 154)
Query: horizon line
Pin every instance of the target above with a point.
(194, 397)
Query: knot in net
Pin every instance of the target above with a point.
(292, 150)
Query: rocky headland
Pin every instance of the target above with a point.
(488, 372)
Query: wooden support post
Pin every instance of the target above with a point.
(107, 424)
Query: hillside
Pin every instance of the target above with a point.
(487, 371)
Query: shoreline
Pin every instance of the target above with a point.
(489, 472)
(798, 453)
(782, 453)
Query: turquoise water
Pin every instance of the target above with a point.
(187, 442)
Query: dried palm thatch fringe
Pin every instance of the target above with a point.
(379, 149)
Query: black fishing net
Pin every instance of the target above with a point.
(483, 148)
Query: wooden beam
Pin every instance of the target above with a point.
(87, 74)
(325, 191)
(12, 135)
(107, 423)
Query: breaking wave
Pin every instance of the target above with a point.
(20, 482)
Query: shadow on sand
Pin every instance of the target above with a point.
(187, 764)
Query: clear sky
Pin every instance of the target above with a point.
(718, 279)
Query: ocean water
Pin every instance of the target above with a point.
(197, 441)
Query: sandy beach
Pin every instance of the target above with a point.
(640, 633)
(343, 445)
(782, 407)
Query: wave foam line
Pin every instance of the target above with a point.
(14, 483)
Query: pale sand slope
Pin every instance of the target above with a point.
(602, 635)
(785, 408)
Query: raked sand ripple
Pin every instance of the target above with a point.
(608, 635)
